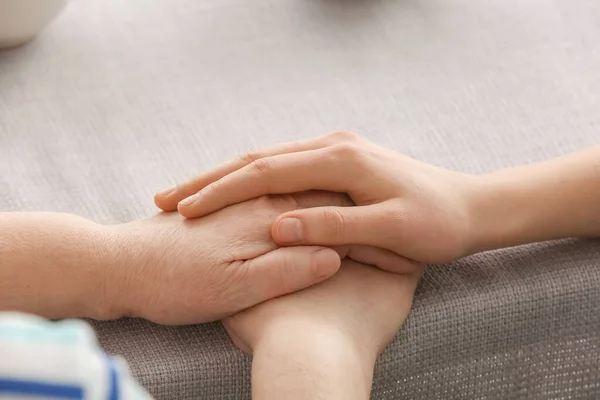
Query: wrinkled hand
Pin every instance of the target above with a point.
(414, 209)
(361, 306)
(177, 271)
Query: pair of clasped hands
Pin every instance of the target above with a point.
(330, 237)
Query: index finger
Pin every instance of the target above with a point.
(286, 173)
(167, 200)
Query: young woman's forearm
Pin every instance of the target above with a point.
(303, 365)
(555, 199)
(53, 265)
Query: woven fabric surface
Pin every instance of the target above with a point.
(118, 99)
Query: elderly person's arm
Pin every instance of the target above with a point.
(163, 268)
(57, 265)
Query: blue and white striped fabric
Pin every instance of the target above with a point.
(40, 359)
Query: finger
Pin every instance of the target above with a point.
(322, 169)
(287, 270)
(167, 199)
(377, 225)
(381, 258)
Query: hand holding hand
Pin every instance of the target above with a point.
(176, 271)
(411, 208)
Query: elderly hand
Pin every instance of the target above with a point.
(176, 271)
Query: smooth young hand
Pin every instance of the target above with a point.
(417, 210)
(411, 208)
(322, 342)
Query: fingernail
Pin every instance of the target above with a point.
(289, 230)
(327, 262)
(189, 200)
(168, 191)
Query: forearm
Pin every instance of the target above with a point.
(54, 265)
(299, 364)
(550, 200)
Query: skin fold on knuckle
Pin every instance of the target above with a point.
(346, 155)
(343, 136)
(232, 290)
(258, 177)
(334, 221)
(283, 280)
(261, 166)
(249, 157)
(395, 224)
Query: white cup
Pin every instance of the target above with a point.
(21, 20)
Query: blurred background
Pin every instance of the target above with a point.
(148, 92)
(117, 99)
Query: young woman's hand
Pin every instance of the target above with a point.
(414, 209)
(322, 342)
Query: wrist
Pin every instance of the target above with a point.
(97, 295)
(515, 207)
(498, 215)
(121, 256)
(297, 332)
(311, 362)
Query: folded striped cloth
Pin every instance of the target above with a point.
(40, 359)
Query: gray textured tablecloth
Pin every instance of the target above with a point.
(119, 98)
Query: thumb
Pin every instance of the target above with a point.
(289, 269)
(333, 226)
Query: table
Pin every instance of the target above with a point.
(118, 99)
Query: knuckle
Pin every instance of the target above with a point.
(249, 157)
(396, 215)
(344, 136)
(288, 266)
(347, 152)
(234, 288)
(261, 166)
(335, 221)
